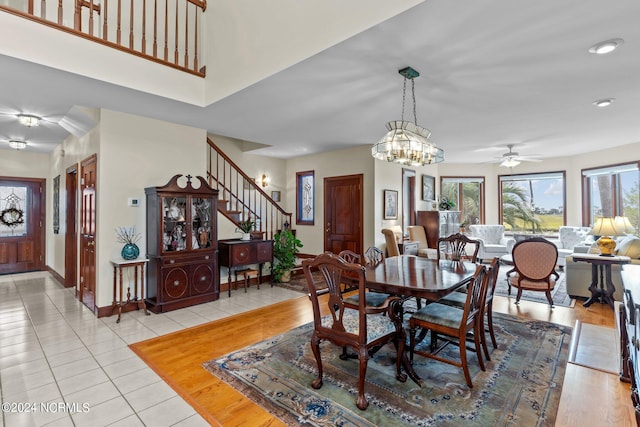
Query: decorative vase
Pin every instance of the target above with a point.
(130, 251)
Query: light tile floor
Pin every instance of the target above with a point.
(62, 366)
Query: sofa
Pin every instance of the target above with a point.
(568, 238)
(578, 274)
(493, 242)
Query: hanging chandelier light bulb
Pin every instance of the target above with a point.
(406, 143)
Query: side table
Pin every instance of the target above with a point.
(600, 276)
(118, 299)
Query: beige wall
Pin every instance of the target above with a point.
(337, 163)
(572, 166)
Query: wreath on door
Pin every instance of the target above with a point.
(12, 217)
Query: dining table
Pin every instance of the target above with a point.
(412, 276)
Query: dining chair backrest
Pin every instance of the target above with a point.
(373, 256)
(476, 294)
(332, 269)
(493, 271)
(458, 247)
(350, 256)
(535, 258)
(392, 243)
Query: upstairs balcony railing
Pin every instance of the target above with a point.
(241, 198)
(164, 31)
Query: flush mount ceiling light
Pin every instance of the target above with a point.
(603, 102)
(606, 46)
(29, 120)
(407, 143)
(17, 144)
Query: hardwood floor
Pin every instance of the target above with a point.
(589, 397)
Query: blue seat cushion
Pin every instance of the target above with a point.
(440, 314)
(373, 299)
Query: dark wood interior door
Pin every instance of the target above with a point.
(71, 233)
(343, 205)
(88, 232)
(22, 214)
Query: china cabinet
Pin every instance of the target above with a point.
(438, 224)
(182, 245)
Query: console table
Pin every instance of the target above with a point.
(118, 299)
(236, 253)
(600, 276)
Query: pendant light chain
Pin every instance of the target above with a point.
(404, 97)
(413, 93)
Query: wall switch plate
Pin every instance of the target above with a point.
(133, 201)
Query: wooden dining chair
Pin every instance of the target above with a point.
(363, 330)
(454, 247)
(373, 256)
(452, 325)
(534, 263)
(458, 299)
(350, 281)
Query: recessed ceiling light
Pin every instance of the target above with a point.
(606, 46)
(29, 120)
(17, 144)
(604, 102)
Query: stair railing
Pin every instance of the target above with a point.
(164, 31)
(241, 198)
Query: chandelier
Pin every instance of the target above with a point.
(405, 142)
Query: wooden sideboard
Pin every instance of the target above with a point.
(438, 224)
(235, 253)
(630, 333)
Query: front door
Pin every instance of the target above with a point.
(88, 232)
(343, 213)
(22, 213)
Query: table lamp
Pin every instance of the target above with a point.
(624, 225)
(605, 228)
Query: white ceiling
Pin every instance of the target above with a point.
(493, 73)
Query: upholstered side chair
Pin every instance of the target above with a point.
(417, 234)
(391, 242)
(534, 263)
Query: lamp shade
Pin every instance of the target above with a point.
(605, 227)
(624, 225)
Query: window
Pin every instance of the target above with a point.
(468, 195)
(533, 203)
(611, 191)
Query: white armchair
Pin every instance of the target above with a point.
(493, 242)
(568, 238)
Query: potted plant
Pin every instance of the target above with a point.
(446, 204)
(245, 228)
(463, 226)
(285, 248)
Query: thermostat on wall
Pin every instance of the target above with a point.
(132, 201)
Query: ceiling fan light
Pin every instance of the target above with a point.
(17, 144)
(509, 163)
(29, 120)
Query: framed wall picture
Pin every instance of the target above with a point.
(305, 198)
(275, 195)
(390, 204)
(428, 188)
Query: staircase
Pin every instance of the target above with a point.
(241, 198)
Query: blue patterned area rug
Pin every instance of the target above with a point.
(522, 384)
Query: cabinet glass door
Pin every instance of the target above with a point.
(200, 223)
(174, 224)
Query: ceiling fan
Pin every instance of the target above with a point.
(511, 158)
